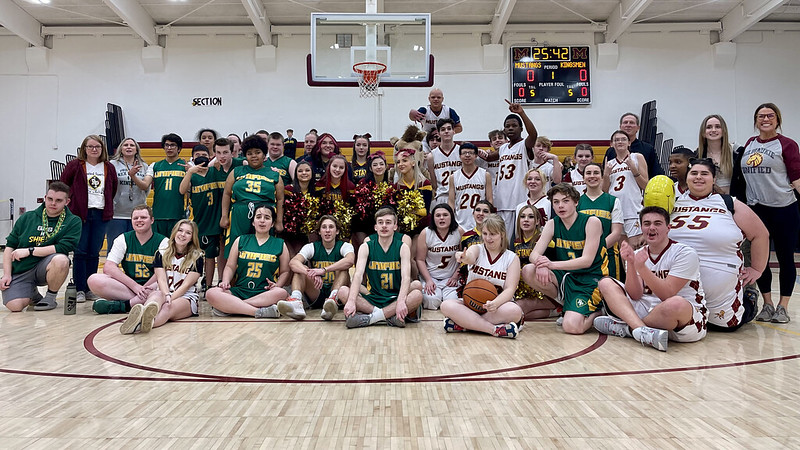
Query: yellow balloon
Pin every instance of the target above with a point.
(660, 191)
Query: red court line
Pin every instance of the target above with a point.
(88, 344)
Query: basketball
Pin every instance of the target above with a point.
(477, 293)
(660, 191)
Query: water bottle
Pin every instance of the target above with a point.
(70, 299)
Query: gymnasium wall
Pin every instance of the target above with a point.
(44, 116)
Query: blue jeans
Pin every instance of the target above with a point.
(115, 228)
(87, 254)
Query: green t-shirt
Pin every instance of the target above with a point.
(167, 199)
(206, 201)
(256, 264)
(138, 261)
(29, 231)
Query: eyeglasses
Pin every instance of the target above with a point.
(94, 147)
(435, 138)
(468, 153)
(170, 145)
(766, 116)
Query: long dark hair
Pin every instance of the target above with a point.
(296, 183)
(370, 175)
(356, 137)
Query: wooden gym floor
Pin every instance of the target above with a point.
(208, 382)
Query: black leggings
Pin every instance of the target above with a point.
(783, 224)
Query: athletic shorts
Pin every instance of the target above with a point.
(578, 292)
(632, 227)
(317, 303)
(443, 292)
(378, 301)
(192, 297)
(164, 226)
(23, 285)
(691, 332)
(723, 292)
(210, 245)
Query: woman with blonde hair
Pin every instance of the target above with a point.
(93, 183)
(177, 267)
(132, 188)
(494, 262)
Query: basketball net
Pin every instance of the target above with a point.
(369, 77)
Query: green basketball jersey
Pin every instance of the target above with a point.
(138, 261)
(167, 199)
(323, 259)
(256, 264)
(205, 198)
(254, 185)
(601, 208)
(383, 271)
(282, 167)
(569, 245)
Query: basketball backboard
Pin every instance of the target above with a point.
(400, 41)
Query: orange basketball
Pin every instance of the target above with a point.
(477, 292)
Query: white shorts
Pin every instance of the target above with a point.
(691, 332)
(443, 292)
(723, 293)
(632, 227)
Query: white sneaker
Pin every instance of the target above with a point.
(611, 325)
(653, 337)
(292, 308)
(329, 309)
(81, 297)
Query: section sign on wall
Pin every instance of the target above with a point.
(550, 75)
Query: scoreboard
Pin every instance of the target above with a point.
(550, 75)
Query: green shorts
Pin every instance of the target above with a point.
(578, 292)
(320, 300)
(210, 245)
(164, 226)
(380, 301)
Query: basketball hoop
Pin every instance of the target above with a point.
(369, 77)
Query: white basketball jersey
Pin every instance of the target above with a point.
(443, 167)
(707, 226)
(509, 184)
(577, 180)
(469, 191)
(489, 166)
(492, 271)
(441, 260)
(175, 276)
(624, 187)
(430, 119)
(679, 261)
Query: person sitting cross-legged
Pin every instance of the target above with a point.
(249, 285)
(385, 260)
(319, 270)
(662, 297)
(128, 270)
